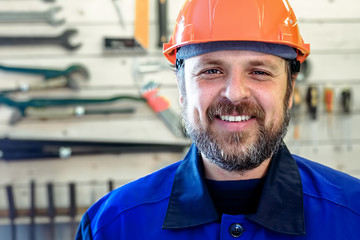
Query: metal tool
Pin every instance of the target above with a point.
(346, 107)
(51, 84)
(72, 209)
(346, 99)
(312, 100)
(329, 107)
(118, 11)
(67, 112)
(22, 149)
(295, 110)
(22, 106)
(11, 210)
(48, 16)
(161, 106)
(32, 211)
(123, 46)
(62, 40)
(54, 78)
(48, 73)
(51, 209)
(110, 185)
(162, 22)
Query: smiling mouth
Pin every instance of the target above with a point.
(230, 118)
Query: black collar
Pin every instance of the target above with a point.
(280, 208)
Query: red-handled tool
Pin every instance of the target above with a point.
(161, 106)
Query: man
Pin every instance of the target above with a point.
(236, 63)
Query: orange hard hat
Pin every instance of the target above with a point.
(268, 21)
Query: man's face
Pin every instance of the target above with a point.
(234, 106)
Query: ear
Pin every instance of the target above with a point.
(181, 97)
(291, 98)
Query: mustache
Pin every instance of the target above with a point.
(226, 107)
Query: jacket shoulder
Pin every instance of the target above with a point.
(328, 184)
(150, 189)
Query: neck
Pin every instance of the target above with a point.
(214, 172)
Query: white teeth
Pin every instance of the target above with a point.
(234, 118)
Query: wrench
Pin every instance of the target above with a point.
(61, 40)
(50, 73)
(32, 16)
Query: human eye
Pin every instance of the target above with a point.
(260, 73)
(211, 71)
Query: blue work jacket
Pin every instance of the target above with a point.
(300, 200)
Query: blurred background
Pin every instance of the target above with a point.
(88, 102)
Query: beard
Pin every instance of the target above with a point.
(234, 151)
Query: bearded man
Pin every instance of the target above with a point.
(236, 64)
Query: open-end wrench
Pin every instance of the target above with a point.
(61, 40)
(32, 16)
(50, 73)
(54, 78)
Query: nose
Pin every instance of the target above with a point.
(236, 88)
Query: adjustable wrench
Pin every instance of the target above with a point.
(32, 16)
(61, 40)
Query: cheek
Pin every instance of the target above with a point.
(198, 100)
(272, 102)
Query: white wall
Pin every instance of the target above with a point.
(332, 27)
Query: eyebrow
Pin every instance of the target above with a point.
(265, 63)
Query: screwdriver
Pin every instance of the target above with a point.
(312, 99)
(329, 106)
(345, 102)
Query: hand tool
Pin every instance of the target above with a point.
(47, 16)
(66, 112)
(118, 11)
(110, 185)
(134, 45)
(48, 74)
(161, 106)
(295, 110)
(346, 102)
(21, 149)
(21, 106)
(11, 210)
(51, 209)
(72, 209)
(123, 46)
(346, 99)
(62, 40)
(162, 18)
(50, 84)
(54, 78)
(32, 211)
(329, 106)
(142, 22)
(312, 99)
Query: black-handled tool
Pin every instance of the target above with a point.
(21, 107)
(51, 209)
(346, 98)
(72, 209)
(312, 100)
(49, 73)
(162, 18)
(21, 149)
(110, 185)
(11, 210)
(32, 211)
